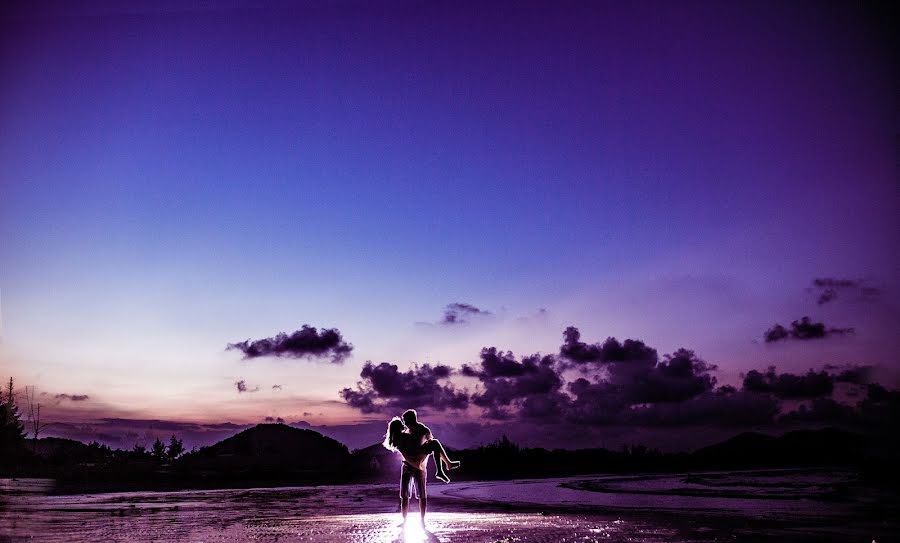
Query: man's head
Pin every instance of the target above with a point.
(409, 417)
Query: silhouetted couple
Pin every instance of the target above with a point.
(413, 440)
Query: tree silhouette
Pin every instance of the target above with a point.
(158, 451)
(176, 448)
(34, 416)
(12, 431)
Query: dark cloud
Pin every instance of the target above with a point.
(459, 313)
(803, 329)
(624, 388)
(625, 375)
(596, 403)
(242, 386)
(828, 289)
(878, 411)
(788, 385)
(277, 420)
(629, 373)
(610, 351)
(72, 397)
(576, 350)
(857, 375)
(821, 410)
(620, 379)
(384, 387)
(531, 386)
(276, 387)
(304, 343)
(680, 376)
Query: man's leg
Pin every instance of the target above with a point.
(420, 481)
(404, 491)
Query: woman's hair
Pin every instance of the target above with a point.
(395, 427)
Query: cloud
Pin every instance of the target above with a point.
(630, 373)
(276, 387)
(277, 420)
(623, 376)
(878, 411)
(72, 397)
(621, 386)
(304, 343)
(828, 289)
(788, 385)
(610, 351)
(680, 376)
(621, 382)
(459, 313)
(242, 387)
(857, 375)
(383, 388)
(820, 410)
(532, 385)
(624, 387)
(803, 329)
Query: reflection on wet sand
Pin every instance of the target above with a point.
(671, 508)
(321, 514)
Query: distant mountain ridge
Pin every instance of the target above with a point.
(799, 447)
(281, 455)
(272, 446)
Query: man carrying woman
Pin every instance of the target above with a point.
(414, 441)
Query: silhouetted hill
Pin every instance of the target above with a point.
(747, 446)
(269, 451)
(798, 448)
(51, 447)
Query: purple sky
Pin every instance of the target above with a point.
(177, 179)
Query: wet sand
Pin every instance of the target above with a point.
(638, 509)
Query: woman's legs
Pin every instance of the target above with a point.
(440, 457)
(438, 449)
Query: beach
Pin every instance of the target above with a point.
(670, 508)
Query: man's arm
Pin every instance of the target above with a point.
(427, 431)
